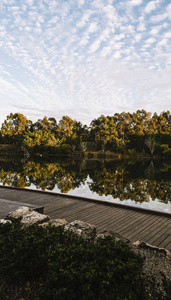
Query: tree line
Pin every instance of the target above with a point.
(129, 133)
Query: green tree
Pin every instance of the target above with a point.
(39, 137)
(49, 125)
(14, 127)
(66, 128)
(104, 129)
(15, 124)
(123, 123)
(140, 121)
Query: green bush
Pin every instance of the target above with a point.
(59, 265)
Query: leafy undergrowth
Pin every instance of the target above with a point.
(50, 263)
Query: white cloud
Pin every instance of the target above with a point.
(119, 37)
(71, 57)
(150, 7)
(93, 48)
(117, 54)
(167, 34)
(93, 27)
(135, 2)
(106, 51)
(163, 42)
(84, 41)
(85, 18)
(130, 29)
(81, 2)
(141, 27)
(138, 37)
(154, 30)
(158, 18)
(29, 2)
(150, 40)
(105, 34)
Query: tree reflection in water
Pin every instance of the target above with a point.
(138, 181)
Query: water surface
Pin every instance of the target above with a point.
(145, 184)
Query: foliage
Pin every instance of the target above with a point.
(104, 129)
(14, 127)
(56, 264)
(66, 128)
(38, 138)
(118, 133)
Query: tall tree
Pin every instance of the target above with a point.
(15, 124)
(140, 121)
(48, 125)
(104, 129)
(123, 124)
(66, 128)
(14, 127)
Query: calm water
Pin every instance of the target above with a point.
(145, 184)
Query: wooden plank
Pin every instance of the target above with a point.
(158, 233)
(132, 224)
(122, 221)
(93, 210)
(68, 211)
(166, 241)
(80, 208)
(141, 226)
(152, 223)
(162, 226)
(168, 245)
(119, 225)
(163, 240)
(108, 212)
(132, 218)
(100, 213)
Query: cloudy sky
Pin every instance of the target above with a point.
(84, 58)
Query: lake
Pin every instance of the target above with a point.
(144, 183)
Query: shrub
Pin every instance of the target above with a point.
(57, 264)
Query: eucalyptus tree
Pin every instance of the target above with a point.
(140, 121)
(152, 125)
(15, 124)
(104, 129)
(66, 128)
(167, 116)
(45, 124)
(38, 138)
(164, 123)
(14, 127)
(123, 123)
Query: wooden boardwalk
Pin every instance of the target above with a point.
(132, 223)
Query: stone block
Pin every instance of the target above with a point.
(29, 216)
(81, 228)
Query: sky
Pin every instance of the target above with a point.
(84, 58)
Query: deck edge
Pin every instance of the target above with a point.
(139, 209)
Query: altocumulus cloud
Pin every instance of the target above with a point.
(84, 58)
